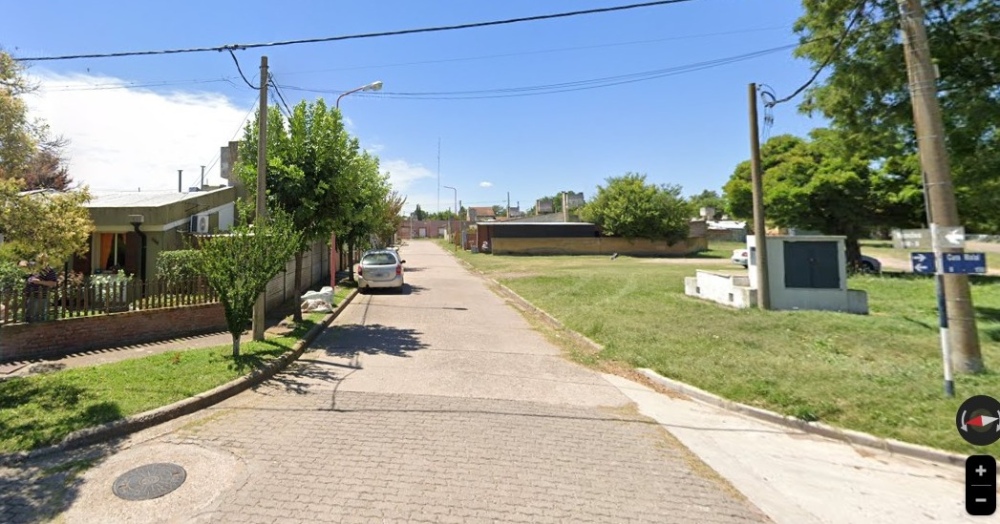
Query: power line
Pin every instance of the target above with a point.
(433, 29)
(277, 91)
(535, 52)
(235, 133)
(858, 12)
(229, 79)
(562, 87)
(240, 69)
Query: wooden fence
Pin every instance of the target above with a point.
(71, 300)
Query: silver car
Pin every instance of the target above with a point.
(380, 269)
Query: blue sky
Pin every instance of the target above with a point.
(689, 129)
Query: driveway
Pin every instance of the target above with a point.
(438, 405)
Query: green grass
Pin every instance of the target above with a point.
(879, 373)
(41, 410)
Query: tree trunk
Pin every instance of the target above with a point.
(350, 258)
(853, 248)
(236, 345)
(297, 316)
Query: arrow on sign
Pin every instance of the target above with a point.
(921, 267)
(919, 257)
(955, 237)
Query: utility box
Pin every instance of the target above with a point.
(807, 272)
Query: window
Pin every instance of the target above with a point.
(112, 251)
(378, 259)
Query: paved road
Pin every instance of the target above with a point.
(437, 405)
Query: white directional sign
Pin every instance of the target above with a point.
(950, 236)
(911, 238)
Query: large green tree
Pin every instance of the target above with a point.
(866, 94)
(633, 208)
(309, 155)
(52, 223)
(240, 263)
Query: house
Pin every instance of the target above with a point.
(481, 214)
(133, 227)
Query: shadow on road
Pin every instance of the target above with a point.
(410, 289)
(373, 339)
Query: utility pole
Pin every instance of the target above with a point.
(180, 180)
(261, 208)
(960, 316)
(439, 176)
(508, 205)
(759, 227)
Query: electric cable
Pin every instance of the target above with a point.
(433, 29)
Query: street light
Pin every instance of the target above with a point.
(455, 191)
(374, 86)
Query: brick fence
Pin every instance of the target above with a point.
(63, 337)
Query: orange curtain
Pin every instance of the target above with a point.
(106, 240)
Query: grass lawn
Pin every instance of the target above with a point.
(879, 373)
(40, 410)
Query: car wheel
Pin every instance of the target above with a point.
(866, 267)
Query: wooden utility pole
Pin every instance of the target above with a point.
(961, 318)
(759, 228)
(261, 209)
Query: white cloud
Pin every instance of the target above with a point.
(486, 184)
(403, 175)
(129, 138)
(375, 148)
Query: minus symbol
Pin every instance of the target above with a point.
(981, 500)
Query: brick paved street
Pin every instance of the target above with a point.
(437, 405)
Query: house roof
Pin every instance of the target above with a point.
(547, 218)
(483, 211)
(121, 199)
(726, 224)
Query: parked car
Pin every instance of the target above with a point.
(741, 257)
(380, 269)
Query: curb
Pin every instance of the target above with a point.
(148, 419)
(852, 437)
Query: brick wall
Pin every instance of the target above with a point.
(73, 335)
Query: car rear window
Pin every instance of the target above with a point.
(378, 259)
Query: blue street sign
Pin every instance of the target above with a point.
(923, 262)
(965, 263)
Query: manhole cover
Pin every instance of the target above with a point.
(149, 481)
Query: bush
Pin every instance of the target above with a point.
(11, 277)
(177, 265)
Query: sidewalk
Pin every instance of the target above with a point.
(115, 354)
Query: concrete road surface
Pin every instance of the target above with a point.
(443, 405)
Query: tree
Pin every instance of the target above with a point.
(419, 214)
(25, 148)
(240, 263)
(866, 94)
(53, 223)
(632, 208)
(819, 184)
(308, 156)
(710, 199)
(47, 170)
(390, 217)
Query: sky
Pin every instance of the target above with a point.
(445, 116)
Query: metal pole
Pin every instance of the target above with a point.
(261, 208)
(964, 338)
(759, 227)
(942, 305)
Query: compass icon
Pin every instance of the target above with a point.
(978, 420)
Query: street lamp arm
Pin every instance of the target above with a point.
(352, 91)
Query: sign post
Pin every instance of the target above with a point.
(949, 237)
